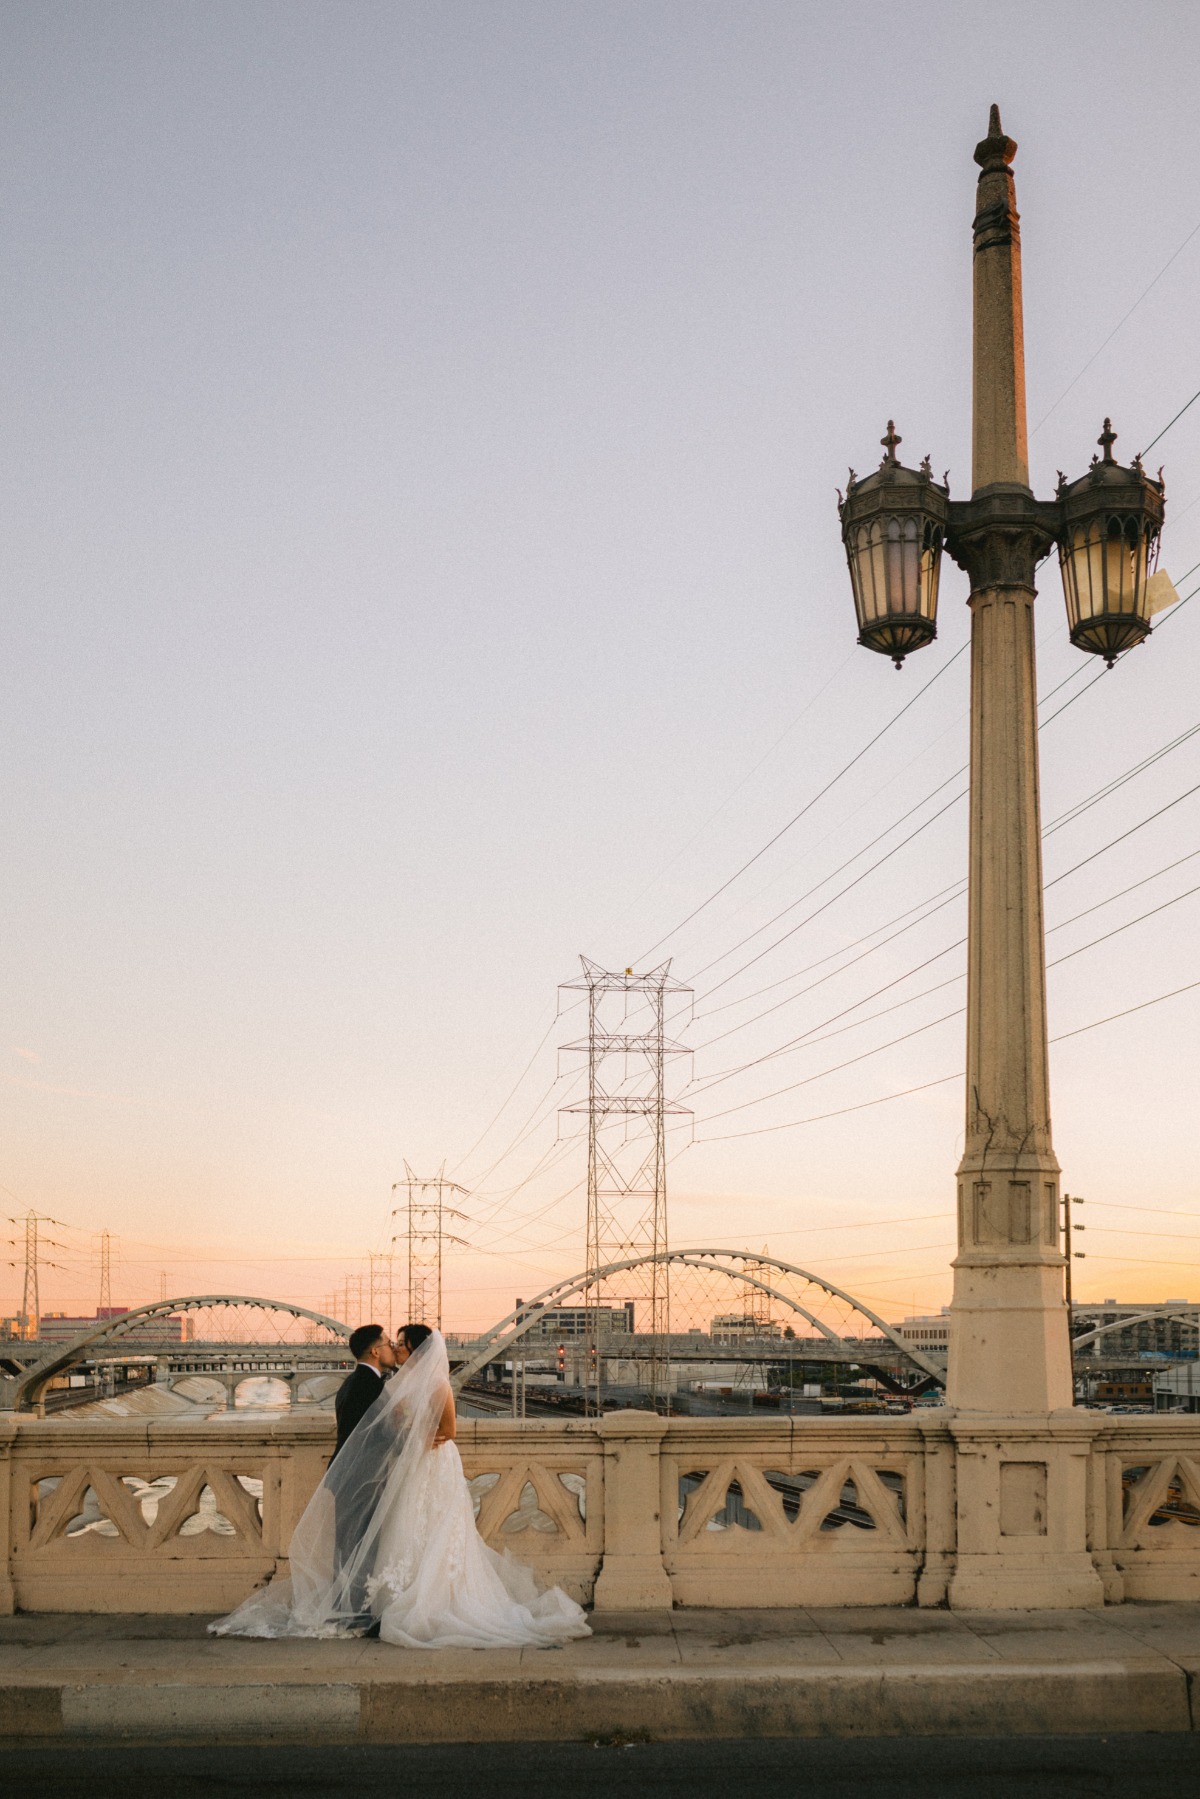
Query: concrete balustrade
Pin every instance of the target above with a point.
(633, 1512)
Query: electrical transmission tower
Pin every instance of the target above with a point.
(380, 1282)
(423, 1234)
(757, 1302)
(627, 1111)
(31, 1305)
(104, 1308)
(29, 1317)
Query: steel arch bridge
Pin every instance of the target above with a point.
(764, 1272)
(28, 1388)
(1185, 1314)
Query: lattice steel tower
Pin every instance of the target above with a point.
(31, 1305)
(627, 1111)
(757, 1301)
(423, 1235)
(105, 1305)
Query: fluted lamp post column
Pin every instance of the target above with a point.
(1010, 1353)
(1010, 1342)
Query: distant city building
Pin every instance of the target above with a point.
(743, 1327)
(565, 1323)
(1177, 1389)
(151, 1333)
(1160, 1333)
(928, 1331)
(1134, 1388)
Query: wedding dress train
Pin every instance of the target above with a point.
(389, 1536)
(439, 1585)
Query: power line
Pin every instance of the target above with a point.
(1068, 817)
(943, 1080)
(883, 1099)
(1057, 962)
(808, 1038)
(824, 1073)
(807, 807)
(832, 875)
(749, 776)
(833, 899)
(905, 841)
(533, 1120)
(943, 898)
(499, 1113)
(1125, 317)
(1131, 832)
(1167, 427)
(1114, 1205)
(1074, 813)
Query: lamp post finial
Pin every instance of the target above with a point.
(996, 150)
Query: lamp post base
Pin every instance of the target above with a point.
(1021, 1513)
(1010, 1349)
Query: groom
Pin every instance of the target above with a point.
(374, 1359)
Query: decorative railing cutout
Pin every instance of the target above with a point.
(1160, 1497)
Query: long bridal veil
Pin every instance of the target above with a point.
(333, 1548)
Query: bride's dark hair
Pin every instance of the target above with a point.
(414, 1335)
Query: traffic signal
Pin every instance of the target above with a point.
(562, 1358)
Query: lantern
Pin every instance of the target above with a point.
(893, 527)
(1107, 548)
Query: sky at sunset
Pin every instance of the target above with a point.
(421, 567)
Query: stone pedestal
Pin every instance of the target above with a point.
(632, 1578)
(1021, 1512)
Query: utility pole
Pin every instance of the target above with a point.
(1069, 1200)
(626, 1108)
(422, 1215)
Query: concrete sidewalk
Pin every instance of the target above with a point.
(687, 1674)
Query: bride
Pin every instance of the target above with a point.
(388, 1539)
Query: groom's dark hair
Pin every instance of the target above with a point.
(362, 1339)
(414, 1335)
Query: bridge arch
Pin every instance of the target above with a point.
(1130, 1321)
(760, 1270)
(278, 1385)
(29, 1387)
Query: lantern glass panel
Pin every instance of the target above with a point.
(1107, 547)
(895, 568)
(1106, 568)
(931, 568)
(892, 527)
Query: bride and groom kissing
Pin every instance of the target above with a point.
(387, 1546)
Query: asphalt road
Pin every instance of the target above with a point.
(880, 1768)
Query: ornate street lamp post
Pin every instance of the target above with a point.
(1009, 1346)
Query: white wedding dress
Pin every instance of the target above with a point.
(389, 1536)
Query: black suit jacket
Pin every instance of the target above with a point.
(355, 1397)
